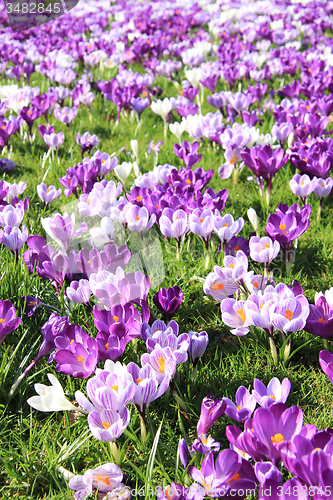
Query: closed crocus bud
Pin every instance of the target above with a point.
(198, 345)
(168, 300)
(211, 410)
(48, 194)
(326, 363)
(123, 170)
(253, 218)
(162, 108)
(183, 453)
(8, 320)
(135, 149)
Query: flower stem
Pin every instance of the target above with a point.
(115, 451)
(143, 429)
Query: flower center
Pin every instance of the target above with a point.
(138, 198)
(283, 228)
(80, 358)
(218, 287)
(161, 364)
(138, 380)
(322, 320)
(115, 319)
(235, 477)
(277, 438)
(2, 321)
(289, 314)
(239, 408)
(106, 425)
(241, 314)
(104, 479)
(114, 387)
(137, 218)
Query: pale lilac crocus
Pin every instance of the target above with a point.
(263, 250)
(219, 286)
(234, 316)
(162, 361)
(61, 229)
(65, 115)
(322, 189)
(13, 238)
(54, 141)
(302, 186)
(108, 425)
(244, 407)
(79, 291)
(105, 478)
(225, 227)
(275, 392)
(11, 215)
(137, 219)
(173, 223)
(160, 335)
(290, 315)
(48, 194)
(147, 387)
(198, 345)
(201, 222)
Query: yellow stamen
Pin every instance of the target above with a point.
(104, 479)
(106, 425)
(2, 321)
(277, 438)
(115, 319)
(241, 314)
(283, 228)
(161, 364)
(80, 358)
(138, 380)
(289, 314)
(218, 287)
(114, 387)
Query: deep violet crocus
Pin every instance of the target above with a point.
(320, 319)
(188, 153)
(326, 363)
(286, 225)
(8, 320)
(264, 162)
(168, 301)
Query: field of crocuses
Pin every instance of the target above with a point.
(166, 239)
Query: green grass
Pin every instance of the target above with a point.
(33, 444)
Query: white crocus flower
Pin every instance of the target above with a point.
(123, 170)
(253, 218)
(194, 76)
(177, 129)
(162, 108)
(135, 149)
(51, 398)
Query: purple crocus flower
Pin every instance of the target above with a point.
(123, 321)
(234, 315)
(168, 301)
(87, 142)
(137, 219)
(61, 229)
(264, 433)
(110, 346)
(211, 410)
(104, 478)
(108, 425)
(244, 407)
(282, 131)
(54, 141)
(326, 363)
(160, 335)
(173, 223)
(65, 115)
(48, 194)
(12, 215)
(290, 315)
(263, 250)
(201, 222)
(323, 187)
(275, 392)
(184, 455)
(162, 361)
(188, 153)
(264, 162)
(13, 238)
(79, 291)
(227, 477)
(31, 303)
(198, 345)
(288, 224)
(320, 319)
(139, 105)
(225, 227)
(29, 115)
(8, 320)
(302, 186)
(147, 387)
